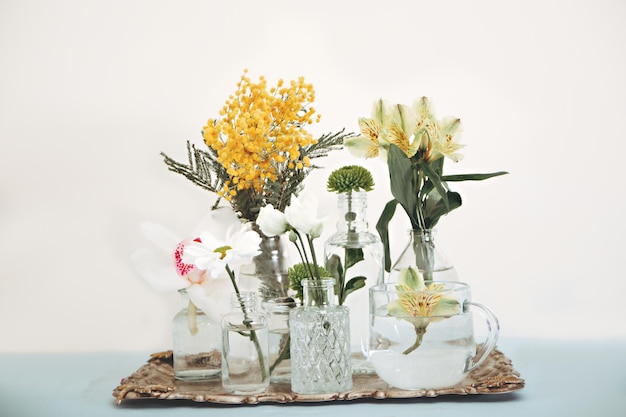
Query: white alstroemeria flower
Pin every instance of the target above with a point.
(416, 300)
(446, 144)
(212, 254)
(372, 142)
(164, 270)
(401, 126)
(301, 214)
(272, 222)
(421, 304)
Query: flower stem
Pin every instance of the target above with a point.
(247, 321)
(419, 332)
(192, 321)
(284, 352)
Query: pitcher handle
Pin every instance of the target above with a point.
(492, 337)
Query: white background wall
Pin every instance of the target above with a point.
(92, 91)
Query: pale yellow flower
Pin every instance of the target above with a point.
(372, 142)
(435, 138)
(420, 304)
(401, 123)
(446, 143)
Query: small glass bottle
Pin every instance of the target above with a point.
(197, 343)
(320, 341)
(245, 368)
(351, 254)
(277, 310)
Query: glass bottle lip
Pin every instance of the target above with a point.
(247, 298)
(279, 304)
(355, 196)
(322, 282)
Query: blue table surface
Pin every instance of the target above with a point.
(563, 378)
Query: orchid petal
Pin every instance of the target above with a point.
(198, 296)
(161, 236)
(157, 271)
(218, 221)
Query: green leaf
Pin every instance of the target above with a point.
(472, 177)
(437, 166)
(382, 226)
(353, 285)
(432, 215)
(353, 256)
(333, 266)
(437, 182)
(400, 176)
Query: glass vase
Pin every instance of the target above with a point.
(355, 258)
(268, 274)
(197, 343)
(320, 341)
(411, 351)
(245, 367)
(422, 251)
(277, 311)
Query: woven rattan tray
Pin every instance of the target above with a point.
(155, 379)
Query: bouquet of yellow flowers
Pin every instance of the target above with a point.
(258, 151)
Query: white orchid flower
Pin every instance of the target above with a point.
(301, 214)
(214, 255)
(164, 270)
(372, 142)
(272, 222)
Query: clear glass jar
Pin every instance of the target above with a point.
(197, 343)
(354, 257)
(245, 368)
(422, 252)
(320, 341)
(277, 310)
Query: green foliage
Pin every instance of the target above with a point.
(339, 272)
(301, 271)
(422, 190)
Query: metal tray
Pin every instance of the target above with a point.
(155, 380)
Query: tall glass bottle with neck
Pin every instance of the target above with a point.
(354, 257)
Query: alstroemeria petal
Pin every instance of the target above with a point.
(412, 278)
(380, 111)
(161, 236)
(157, 271)
(446, 306)
(361, 146)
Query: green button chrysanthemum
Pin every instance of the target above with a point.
(350, 178)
